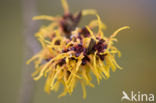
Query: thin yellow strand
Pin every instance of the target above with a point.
(65, 6)
(91, 33)
(117, 31)
(89, 12)
(45, 17)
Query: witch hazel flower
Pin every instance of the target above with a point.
(72, 54)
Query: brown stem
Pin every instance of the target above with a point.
(30, 47)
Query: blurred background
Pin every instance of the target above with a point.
(138, 47)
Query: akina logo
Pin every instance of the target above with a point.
(137, 97)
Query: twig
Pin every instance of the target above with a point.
(30, 48)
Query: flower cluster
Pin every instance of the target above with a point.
(71, 54)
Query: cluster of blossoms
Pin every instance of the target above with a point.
(71, 54)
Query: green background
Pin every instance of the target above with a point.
(138, 47)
